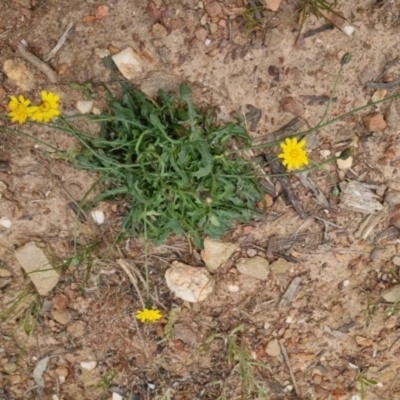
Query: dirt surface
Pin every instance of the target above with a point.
(338, 331)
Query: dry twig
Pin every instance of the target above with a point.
(293, 378)
(38, 63)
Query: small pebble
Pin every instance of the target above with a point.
(89, 365)
(98, 216)
(5, 223)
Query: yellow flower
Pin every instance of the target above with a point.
(293, 154)
(20, 109)
(48, 108)
(147, 315)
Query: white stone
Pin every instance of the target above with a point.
(128, 62)
(256, 267)
(216, 253)
(38, 268)
(233, 288)
(344, 164)
(84, 106)
(5, 223)
(97, 216)
(116, 396)
(89, 365)
(189, 283)
(348, 30)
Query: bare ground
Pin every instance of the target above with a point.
(337, 331)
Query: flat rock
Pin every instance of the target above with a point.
(129, 63)
(160, 80)
(256, 267)
(374, 122)
(213, 9)
(215, 253)
(19, 74)
(280, 266)
(392, 294)
(189, 283)
(159, 31)
(273, 5)
(38, 267)
(77, 329)
(62, 317)
(396, 261)
(273, 349)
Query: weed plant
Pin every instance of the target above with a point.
(168, 160)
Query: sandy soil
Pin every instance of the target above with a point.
(338, 331)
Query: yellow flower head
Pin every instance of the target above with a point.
(293, 154)
(147, 315)
(20, 109)
(48, 108)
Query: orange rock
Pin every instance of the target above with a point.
(102, 11)
(62, 69)
(374, 122)
(88, 19)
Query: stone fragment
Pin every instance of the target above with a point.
(159, 31)
(102, 11)
(38, 267)
(153, 11)
(98, 216)
(19, 74)
(160, 80)
(183, 332)
(201, 34)
(216, 253)
(189, 283)
(378, 95)
(60, 302)
(128, 62)
(213, 27)
(89, 365)
(273, 37)
(273, 349)
(256, 267)
(5, 223)
(363, 341)
(62, 371)
(344, 164)
(84, 106)
(213, 9)
(77, 329)
(392, 198)
(280, 266)
(392, 294)
(62, 317)
(273, 5)
(374, 122)
(396, 261)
